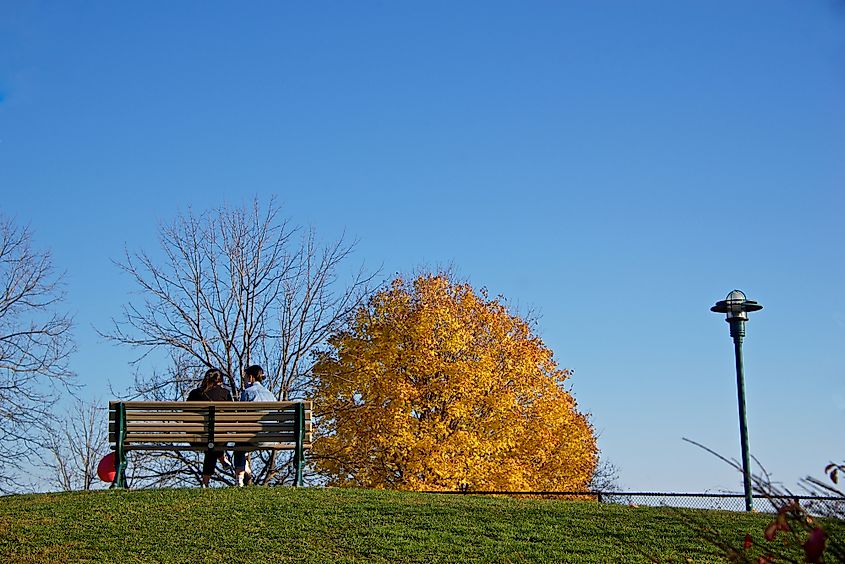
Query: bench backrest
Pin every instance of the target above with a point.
(197, 425)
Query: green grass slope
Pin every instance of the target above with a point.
(341, 525)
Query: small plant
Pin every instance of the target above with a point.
(798, 532)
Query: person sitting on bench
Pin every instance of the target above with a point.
(253, 390)
(211, 389)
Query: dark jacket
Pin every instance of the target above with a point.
(217, 393)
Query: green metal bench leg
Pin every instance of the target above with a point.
(120, 449)
(299, 451)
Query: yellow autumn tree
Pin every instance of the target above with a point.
(436, 387)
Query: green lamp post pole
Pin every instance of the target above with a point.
(736, 308)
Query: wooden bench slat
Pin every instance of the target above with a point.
(181, 405)
(250, 417)
(202, 439)
(164, 416)
(235, 406)
(167, 437)
(168, 426)
(220, 415)
(260, 426)
(253, 437)
(133, 416)
(174, 425)
(189, 407)
(181, 448)
(193, 432)
(255, 425)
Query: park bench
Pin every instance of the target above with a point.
(200, 425)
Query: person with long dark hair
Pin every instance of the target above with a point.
(211, 389)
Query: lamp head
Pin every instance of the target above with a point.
(736, 306)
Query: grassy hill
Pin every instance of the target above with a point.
(340, 525)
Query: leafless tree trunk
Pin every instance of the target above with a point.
(75, 444)
(236, 286)
(35, 343)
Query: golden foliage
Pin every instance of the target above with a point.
(435, 387)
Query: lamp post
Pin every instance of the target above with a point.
(736, 307)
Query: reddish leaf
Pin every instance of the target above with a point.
(748, 542)
(833, 470)
(782, 523)
(814, 547)
(771, 531)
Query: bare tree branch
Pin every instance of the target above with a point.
(75, 444)
(35, 343)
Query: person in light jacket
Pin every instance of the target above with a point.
(253, 390)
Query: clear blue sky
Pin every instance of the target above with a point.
(618, 166)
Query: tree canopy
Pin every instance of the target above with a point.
(435, 386)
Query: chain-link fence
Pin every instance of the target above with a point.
(815, 505)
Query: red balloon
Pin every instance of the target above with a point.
(105, 469)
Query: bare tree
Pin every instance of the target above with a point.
(605, 477)
(74, 445)
(235, 287)
(35, 344)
